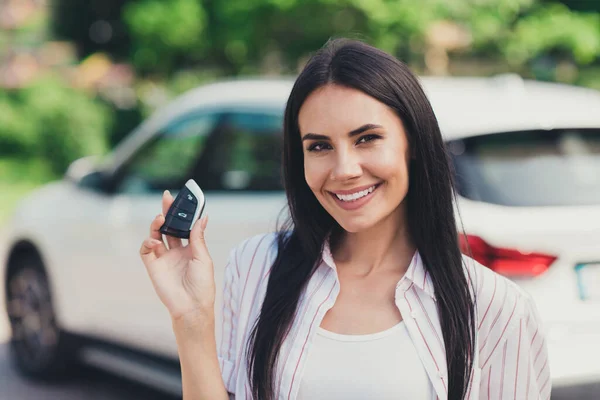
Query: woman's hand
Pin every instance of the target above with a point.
(183, 276)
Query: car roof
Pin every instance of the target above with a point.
(475, 106)
(464, 106)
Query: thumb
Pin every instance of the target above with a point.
(197, 241)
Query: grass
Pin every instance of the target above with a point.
(18, 177)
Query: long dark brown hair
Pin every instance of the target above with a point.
(430, 212)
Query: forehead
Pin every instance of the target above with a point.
(334, 108)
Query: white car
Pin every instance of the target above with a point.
(527, 159)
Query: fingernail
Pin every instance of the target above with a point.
(154, 242)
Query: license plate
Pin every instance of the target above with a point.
(588, 281)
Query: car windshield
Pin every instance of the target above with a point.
(531, 168)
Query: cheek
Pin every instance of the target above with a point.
(388, 165)
(315, 173)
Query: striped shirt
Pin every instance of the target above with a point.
(511, 360)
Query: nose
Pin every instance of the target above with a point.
(348, 166)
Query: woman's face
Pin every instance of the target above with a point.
(356, 156)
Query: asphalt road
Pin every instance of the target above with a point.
(88, 383)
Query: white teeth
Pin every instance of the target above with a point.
(355, 196)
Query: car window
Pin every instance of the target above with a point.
(169, 159)
(532, 168)
(244, 153)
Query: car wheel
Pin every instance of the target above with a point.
(38, 347)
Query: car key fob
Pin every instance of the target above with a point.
(184, 212)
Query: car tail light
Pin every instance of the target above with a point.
(508, 262)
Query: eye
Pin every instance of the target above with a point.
(319, 146)
(368, 138)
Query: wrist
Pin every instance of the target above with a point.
(194, 323)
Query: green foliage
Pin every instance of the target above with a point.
(70, 124)
(165, 31)
(555, 27)
(14, 170)
(72, 20)
(53, 122)
(241, 37)
(286, 31)
(579, 5)
(17, 127)
(247, 36)
(590, 78)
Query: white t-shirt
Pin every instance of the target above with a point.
(383, 365)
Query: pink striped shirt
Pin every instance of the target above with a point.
(511, 361)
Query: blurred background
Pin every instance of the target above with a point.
(88, 71)
(76, 76)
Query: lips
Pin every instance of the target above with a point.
(354, 190)
(355, 195)
(354, 198)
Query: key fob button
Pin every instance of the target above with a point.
(183, 215)
(188, 196)
(177, 223)
(183, 204)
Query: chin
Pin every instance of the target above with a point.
(355, 226)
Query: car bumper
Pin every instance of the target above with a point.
(574, 353)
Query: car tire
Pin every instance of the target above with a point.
(38, 347)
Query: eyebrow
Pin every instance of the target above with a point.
(354, 132)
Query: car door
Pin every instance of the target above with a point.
(163, 162)
(234, 157)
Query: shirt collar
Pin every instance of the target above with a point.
(416, 273)
(419, 276)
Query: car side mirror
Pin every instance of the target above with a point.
(80, 168)
(84, 173)
(97, 181)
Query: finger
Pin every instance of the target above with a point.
(147, 250)
(167, 200)
(158, 221)
(197, 240)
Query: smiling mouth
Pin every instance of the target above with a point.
(349, 198)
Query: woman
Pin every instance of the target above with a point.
(364, 293)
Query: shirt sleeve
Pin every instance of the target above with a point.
(227, 348)
(519, 368)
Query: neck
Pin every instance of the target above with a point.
(385, 246)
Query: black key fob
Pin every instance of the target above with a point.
(184, 212)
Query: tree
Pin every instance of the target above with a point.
(166, 32)
(93, 25)
(275, 36)
(554, 28)
(578, 5)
